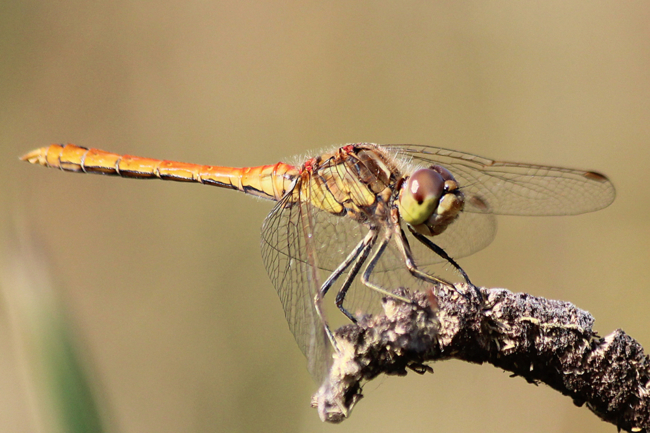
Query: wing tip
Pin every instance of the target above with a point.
(596, 176)
(606, 182)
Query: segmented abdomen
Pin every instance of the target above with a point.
(266, 181)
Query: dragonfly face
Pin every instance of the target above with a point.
(430, 200)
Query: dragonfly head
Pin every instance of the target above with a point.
(430, 200)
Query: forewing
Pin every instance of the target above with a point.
(510, 188)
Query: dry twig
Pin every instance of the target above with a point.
(543, 341)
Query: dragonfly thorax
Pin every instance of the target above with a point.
(430, 200)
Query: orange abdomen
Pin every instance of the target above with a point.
(266, 181)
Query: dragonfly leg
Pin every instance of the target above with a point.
(358, 256)
(442, 253)
(365, 277)
(369, 241)
(413, 269)
(410, 262)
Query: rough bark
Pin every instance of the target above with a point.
(541, 340)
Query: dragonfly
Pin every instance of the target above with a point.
(365, 218)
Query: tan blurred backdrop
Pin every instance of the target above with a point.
(164, 282)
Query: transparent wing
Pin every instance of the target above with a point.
(510, 188)
(290, 260)
(471, 232)
(301, 246)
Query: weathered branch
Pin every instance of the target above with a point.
(543, 341)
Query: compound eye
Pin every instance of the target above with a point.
(426, 184)
(446, 174)
(420, 195)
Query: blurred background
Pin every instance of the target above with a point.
(161, 286)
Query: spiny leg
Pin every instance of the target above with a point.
(341, 268)
(409, 261)
(442, 253)
(370, 240)
(356, 253)
(405, 249)
(365, 277)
